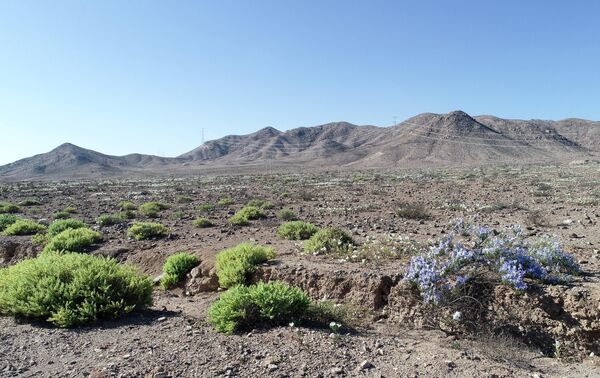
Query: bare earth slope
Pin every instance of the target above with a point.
(424, 140)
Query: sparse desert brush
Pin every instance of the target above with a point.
(272, 303)
(329, 241)
(109, 219)
(7, 208)
(30, 202)
(227, 201)
(24, 227)
(70, 210)
(6, 220)
(537, 218)
(184, 199)
(385, 247)
(287, 215)
(151, 209)
(206, 207)
(245, 215)
(127, 206)
(147, 230)
(235, 264)
(61, 214)
(126, 214)
(61, 225)
(179, 214)
(297, 230)
(176, 267)
(202, 222)
(260, 203)
(412, 211)
(73, 240)
(72, 289)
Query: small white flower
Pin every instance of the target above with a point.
(456, 316)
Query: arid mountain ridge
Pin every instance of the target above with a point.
(424, 140)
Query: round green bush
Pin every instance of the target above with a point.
(151, 209)
(297, 230)
(202, 222)
(235, 264)
(272, 303)
(61, 225)
(245, 215)
(328, 240)
(176, 267)
(24, 227)
(73, 240)
(6, 208)
(6, 220)
(71, 289)
(147, 230)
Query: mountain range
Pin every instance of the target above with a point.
(425, 140)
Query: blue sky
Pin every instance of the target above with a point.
(147, 76)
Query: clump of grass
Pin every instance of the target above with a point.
(6, 220)
(8, 208)
(72, 289)
(24, 227)
(61, 225)
(176, 267)
(235, 264)
(297, 230)
(147, 230)
(272, 303)
(110, 219)
(127, 206)
(206, 207)
(61, 214)
(412, 211)
(184, 199)
(260, 203)
(179, 214)
(329, 240)
(202, 222)
(227, 201)
(245, 215)
(151, 209)
(70, 210)
(73, 240)
(30, 202)
(287, 215)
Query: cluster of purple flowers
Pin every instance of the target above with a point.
(450, 263)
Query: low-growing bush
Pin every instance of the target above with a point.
(235, 264)
(73, 240)
(6, 220)
(72, 289)
(7, 208)
(176, 267)
(70, 210)
(272, 303)
(126, 214)
(297, 230)
(24, 227)
(127, 205)
(287, 215)
(202, 222)
(245, 215)
(147, 230)
(61, 214)
(329, 240)
(184, 199)
(206, 207)
(259, 203)
(226, 201)
(59, 226)
(109, 219)
(30, 202)
(151, 209)
(412, 211)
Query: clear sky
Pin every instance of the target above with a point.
(147, 76)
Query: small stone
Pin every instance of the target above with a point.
(336, 370)
(272, 367)
(366, 364)
(161, 319)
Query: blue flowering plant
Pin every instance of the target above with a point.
(505, 257)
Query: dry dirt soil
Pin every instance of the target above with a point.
(391, 337)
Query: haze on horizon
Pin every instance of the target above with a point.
(146, 76)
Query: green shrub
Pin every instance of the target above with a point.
(147, 230)
(24, 227)
(235, 264)
(259, 203)
(328, 240)
(109, 219)
(6, 220)
(59, 226)
(73, 240)
(176, 267)
(126, 214)
(202, 222)
(179, 214)
(71, 289)
(184, 199)
(70, 210)
(272, 303)
(61, 215)
(127, 205)
(6, 208)
(151, 209)
(297, 230)
(245, 215)
(206, 207)
(287, 215)
(30, 202)
(226, 201)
